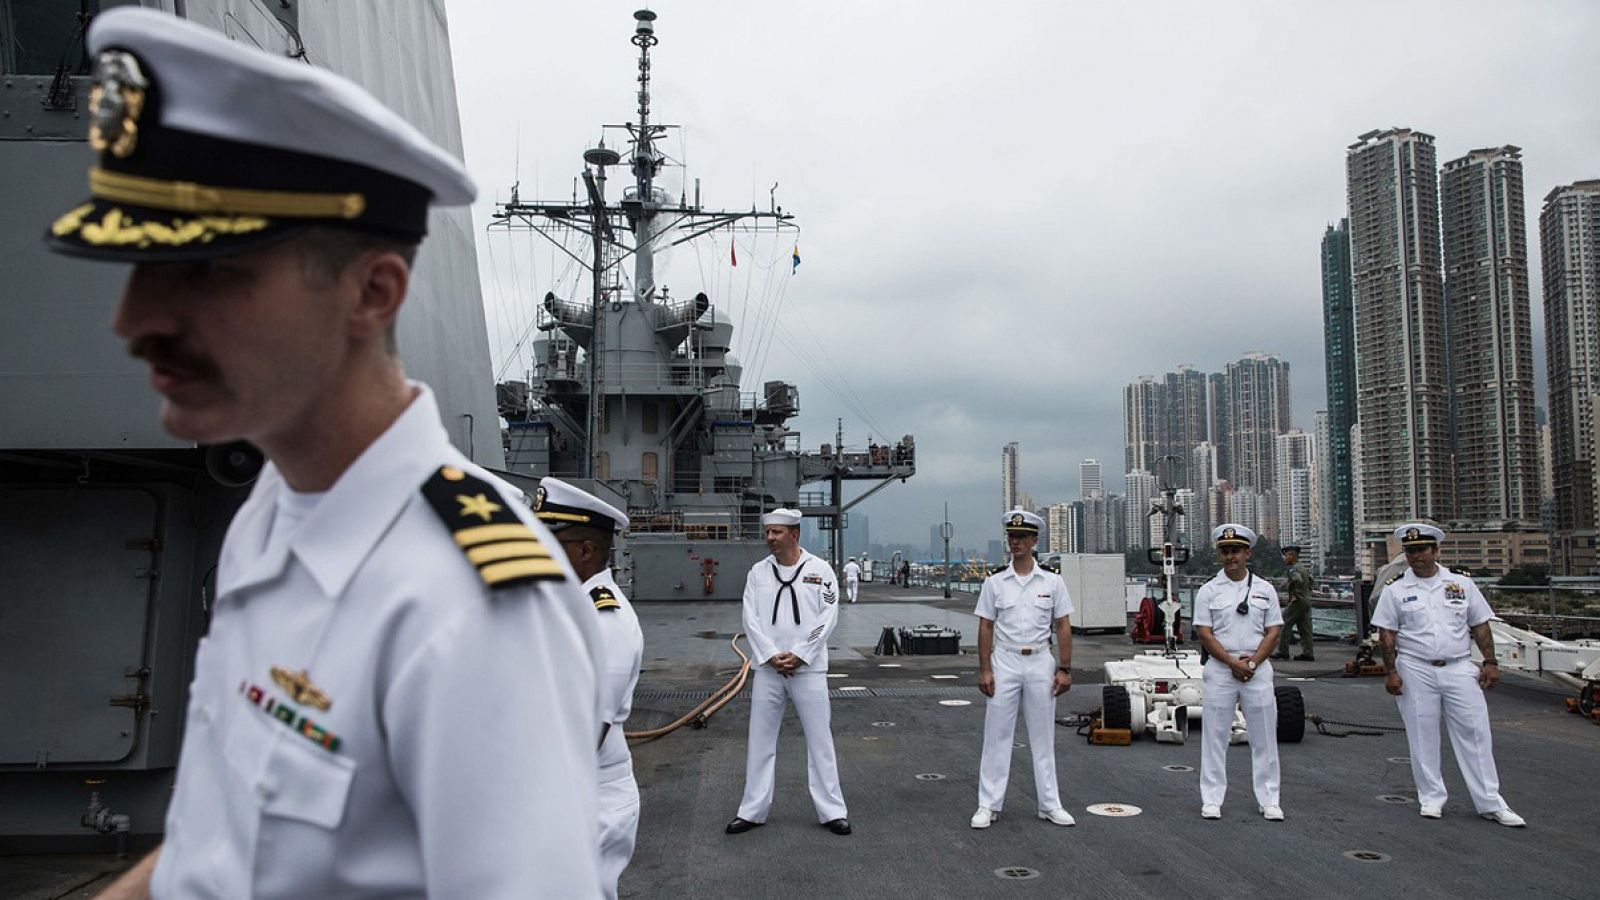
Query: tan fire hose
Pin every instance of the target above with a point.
(708, 707)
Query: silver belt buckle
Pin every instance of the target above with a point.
(1026, 651)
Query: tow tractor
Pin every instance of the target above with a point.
(1159, 692)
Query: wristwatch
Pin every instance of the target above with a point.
(1063, 669)
(1491, 661)
(1251, 663)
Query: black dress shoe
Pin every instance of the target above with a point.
(838, 826)
(1305, 657)
(740, 826)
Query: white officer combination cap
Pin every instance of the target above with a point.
(1231, 535)
(782, 516)
(1418, 534)
(560, 505)
(1020, 521)
(211, 147)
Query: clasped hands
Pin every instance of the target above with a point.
(1241, 671)
(785, 663)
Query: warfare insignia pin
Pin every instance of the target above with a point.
(300, 688)
(115, 103)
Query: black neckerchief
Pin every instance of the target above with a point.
(794, 598)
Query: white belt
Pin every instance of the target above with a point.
(1021, 649)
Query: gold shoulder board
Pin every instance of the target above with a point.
(501, 546)
(604, 599)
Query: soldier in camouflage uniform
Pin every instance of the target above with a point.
(1298, 611)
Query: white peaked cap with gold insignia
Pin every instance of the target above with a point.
(1418, 534)
(782, 516)
(1231, 535)
(210, 146)
(560, 505)
(1020, 521)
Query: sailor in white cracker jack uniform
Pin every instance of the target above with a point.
(1019, 608)
(791, 603)
(1237, 620)
(397, 694)
(852, 578)
(586, 527)
(1427, 619)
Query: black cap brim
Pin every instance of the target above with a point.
(119, 232)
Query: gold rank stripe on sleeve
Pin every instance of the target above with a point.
(503, 549)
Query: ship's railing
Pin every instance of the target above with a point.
(694, 525)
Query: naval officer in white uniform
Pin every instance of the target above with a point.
(1019, 608)
(791, 603)
(1427, 620)
(852, 578)
(586, 527)
(397, 695)
(1237, 619)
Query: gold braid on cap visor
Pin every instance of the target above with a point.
(186, 196)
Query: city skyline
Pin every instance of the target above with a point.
(1179, 228)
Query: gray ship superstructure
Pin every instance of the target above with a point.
(634, 393)
(109, 527)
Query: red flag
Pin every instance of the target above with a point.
(733, 253)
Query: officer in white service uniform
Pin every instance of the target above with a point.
(586, 527)
(1019, 608)
(852, 578)
(397, 695)
(1427, 620)
(791, 603)
(1237, 619)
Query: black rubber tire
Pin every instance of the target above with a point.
(1291, 713)
(1116, 709)
(1586, 700)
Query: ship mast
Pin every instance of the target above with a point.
(645, 163)
(650, 219)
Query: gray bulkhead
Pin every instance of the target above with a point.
(109, 528)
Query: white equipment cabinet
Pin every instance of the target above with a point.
(1095, 581)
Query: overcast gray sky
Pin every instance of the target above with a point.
(1009, 210)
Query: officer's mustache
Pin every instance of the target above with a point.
(164, 352)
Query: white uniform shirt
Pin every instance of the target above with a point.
(456, 756)
(852, 572)
(1216, 607)
(1023, 609)
(1432, 617)
(769, 619)
(623, 655)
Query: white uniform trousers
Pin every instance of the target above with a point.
(619, 810)
(1223, 693)
(768, 695)
(1428, 690)
(1024, 681)
(851, 586)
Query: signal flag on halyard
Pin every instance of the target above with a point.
(796, 259)
(733, 252)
